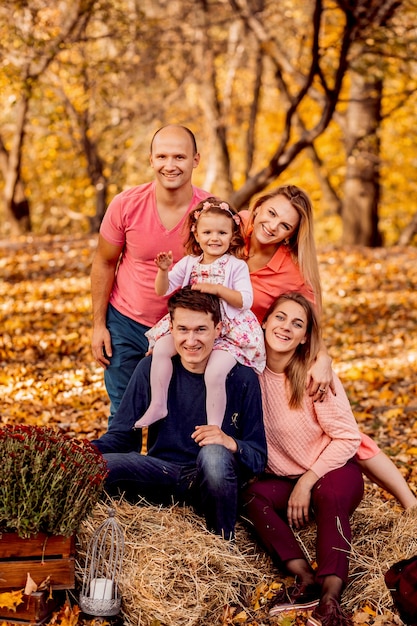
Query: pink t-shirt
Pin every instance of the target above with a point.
(278, 276)
(132, 221)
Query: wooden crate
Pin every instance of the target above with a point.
(35, 609)
(41, 556)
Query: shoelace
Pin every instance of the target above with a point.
(295, 591)
(335, 615)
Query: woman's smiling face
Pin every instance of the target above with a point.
(275, 220)
(286, 327)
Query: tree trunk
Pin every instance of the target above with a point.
(15, 202)
(362, 185)
(20, 210)
(95, 169)
(218, 178)
(101, 204)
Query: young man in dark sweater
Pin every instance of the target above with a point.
(188, 460)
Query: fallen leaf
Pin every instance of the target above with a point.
(31, 586)
(11, 599)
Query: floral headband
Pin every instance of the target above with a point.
(222, 205)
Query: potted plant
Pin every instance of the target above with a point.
(49, 483)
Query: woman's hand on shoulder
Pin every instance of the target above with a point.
(320, 377)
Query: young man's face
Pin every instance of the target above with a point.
(194, 333)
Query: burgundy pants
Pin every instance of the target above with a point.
(333, 499)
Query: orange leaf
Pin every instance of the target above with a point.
(68, 616)
(11, 599)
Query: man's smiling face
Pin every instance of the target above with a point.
(172, 158)
(194, 333)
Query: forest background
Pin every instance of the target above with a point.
(318, 93)
(321, 93)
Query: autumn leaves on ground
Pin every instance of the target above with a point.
(48, 377)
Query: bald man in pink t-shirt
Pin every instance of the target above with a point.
(139, 223)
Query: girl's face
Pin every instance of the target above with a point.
(214, 233)
(286, 327)
(275, 220)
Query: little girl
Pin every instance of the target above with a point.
(215, 264)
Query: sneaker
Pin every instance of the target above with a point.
(329, 613)
(299, 597)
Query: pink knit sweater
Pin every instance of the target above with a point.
(320, 436)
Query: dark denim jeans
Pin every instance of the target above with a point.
(211, 486)
(129, 346)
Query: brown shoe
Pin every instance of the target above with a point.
(298, 597)
(329, 613)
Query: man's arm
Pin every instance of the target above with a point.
(120, 437)
(102, 277)
(244, 418)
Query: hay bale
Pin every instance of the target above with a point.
(174, 571)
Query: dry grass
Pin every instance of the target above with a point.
(175, 573)
(174, 570)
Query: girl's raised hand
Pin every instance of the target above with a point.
(164, 260)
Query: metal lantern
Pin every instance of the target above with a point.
(99, 593)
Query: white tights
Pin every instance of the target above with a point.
(219, 365)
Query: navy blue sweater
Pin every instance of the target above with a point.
(170, 438)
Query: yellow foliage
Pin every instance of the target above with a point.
(392, 413)
(369, 610)
(263, 593)
(67, 616)
(11, 599)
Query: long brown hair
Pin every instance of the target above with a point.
(305, 353)
(216, 207)
(301, 243)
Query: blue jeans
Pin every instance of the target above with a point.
(129, 346)
(211, 486)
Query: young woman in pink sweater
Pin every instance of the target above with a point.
(282, 257)
(311, 470)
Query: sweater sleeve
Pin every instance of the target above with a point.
(244, 419)
(120, 437)
(240, 281)
(179, 276)
(335, 417)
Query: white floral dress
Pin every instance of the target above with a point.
(241, 336)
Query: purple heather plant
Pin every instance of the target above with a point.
(49, 481)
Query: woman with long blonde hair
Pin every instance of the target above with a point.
(282, 257)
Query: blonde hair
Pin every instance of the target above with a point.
(301, 243)
(305, 353)
(216, 207)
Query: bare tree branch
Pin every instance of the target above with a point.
(288, 147)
